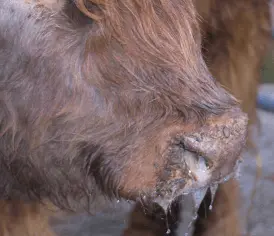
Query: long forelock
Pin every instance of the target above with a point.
(147, 29)
(148, 38)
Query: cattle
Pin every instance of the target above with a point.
(105, 100)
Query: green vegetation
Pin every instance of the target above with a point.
(268, 68)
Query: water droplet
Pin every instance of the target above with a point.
(226, 178)
(118, 201)
(213, 190)
(210, 207)
(186, 234)
(168, 231)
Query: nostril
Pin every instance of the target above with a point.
(195, 164)
(189, 155)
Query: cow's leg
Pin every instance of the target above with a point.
(25, 219)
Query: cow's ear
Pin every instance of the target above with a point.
(91, 8)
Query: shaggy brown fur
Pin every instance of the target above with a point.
(91, 104)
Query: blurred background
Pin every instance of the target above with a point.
(257, 178)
